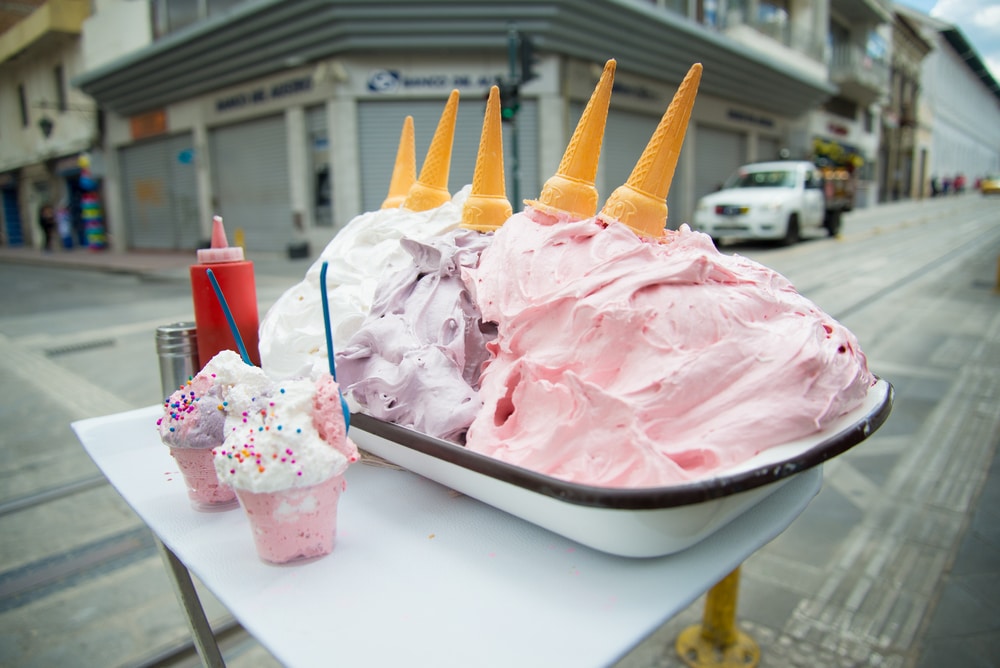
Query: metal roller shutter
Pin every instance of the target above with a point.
(379, 125)
(719, 153)
(625, 137)
(160, 194)
(250, 173)
(768, 148)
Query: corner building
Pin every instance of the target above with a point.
(284, 117)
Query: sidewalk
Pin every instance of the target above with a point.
(147, 263)
(134, 262)
(151, 262)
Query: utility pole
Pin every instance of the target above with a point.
(520, 61)
(513, 40)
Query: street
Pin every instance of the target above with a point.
(856, 581)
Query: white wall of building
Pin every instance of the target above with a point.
(965, 129)
(24, 146)
(73, 128)
(115, 28)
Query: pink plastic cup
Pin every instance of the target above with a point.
(204, 489)
(293, 524)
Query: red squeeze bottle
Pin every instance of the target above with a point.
(235, 277)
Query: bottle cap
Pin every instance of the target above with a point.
(220, 251)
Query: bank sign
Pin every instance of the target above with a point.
(390, 81)
(263, 94)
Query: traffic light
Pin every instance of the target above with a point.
(526, 50)
(510, 100)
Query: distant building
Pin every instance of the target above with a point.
(904, 148)
(959, 107)
(45, 123)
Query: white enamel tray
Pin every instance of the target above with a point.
(646, 522)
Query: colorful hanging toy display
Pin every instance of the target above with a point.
(90, 208)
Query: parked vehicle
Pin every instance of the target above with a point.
(990, 185)
(779, 200)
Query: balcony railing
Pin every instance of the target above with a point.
(860, 75)
(774, 24)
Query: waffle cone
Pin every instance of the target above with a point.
(571, 189)
(487, 207)
(641, 203)
(431, 188)
(404, 173)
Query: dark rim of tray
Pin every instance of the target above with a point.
(645, 498)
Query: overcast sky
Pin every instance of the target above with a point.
(979, 21)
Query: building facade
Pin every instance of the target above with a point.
(904, 150)
(46, 125)
(283, 117)
(288, 138)
(958, 110)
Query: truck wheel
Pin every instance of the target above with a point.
(832, 222)
(792, 231)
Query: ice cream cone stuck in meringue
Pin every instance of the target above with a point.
(488, 207)
(366, 249)
(423, 344)
(431, 188)
(571, 189)
(404, 173)
(641, 203)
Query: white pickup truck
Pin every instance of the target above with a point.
(769, 200)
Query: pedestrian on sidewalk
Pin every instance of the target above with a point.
(64, 224)
(47, 221)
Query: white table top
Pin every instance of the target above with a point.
(422, 576)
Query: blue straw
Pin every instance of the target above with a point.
(229, 317)
(329, 342)
(326, 319)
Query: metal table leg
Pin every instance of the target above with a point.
(187, 595)
(716, 642)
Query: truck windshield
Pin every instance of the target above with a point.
(774, 179)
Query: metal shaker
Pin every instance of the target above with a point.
(177, 349)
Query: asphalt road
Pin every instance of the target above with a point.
(855, 581)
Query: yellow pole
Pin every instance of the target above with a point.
(716, 642)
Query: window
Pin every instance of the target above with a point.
(23, 99)
(771, 179)
(60, 81)
(841, 106)
(182, 13)
(219, 6)
(773, 19)
(171, 15)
